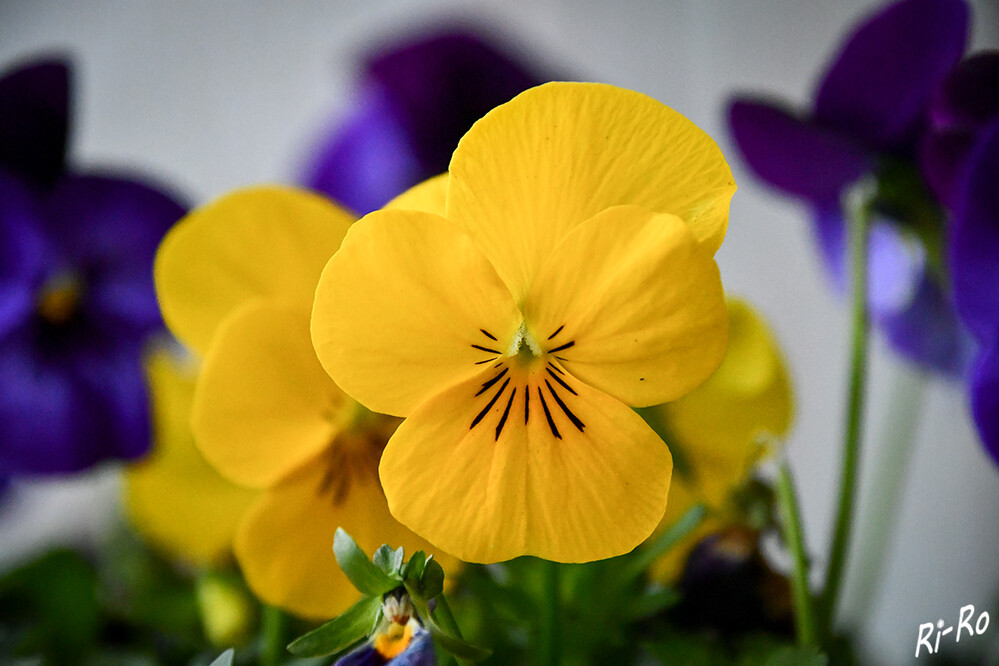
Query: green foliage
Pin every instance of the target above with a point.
(369, 578)
(341, 632)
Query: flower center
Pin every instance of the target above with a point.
(532, 373)
(59, 298)
(353, 455)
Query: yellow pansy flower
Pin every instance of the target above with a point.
(570, 275)
(235, 281)
(724, 428)
(176, 500)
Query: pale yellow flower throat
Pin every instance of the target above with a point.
(525, 367)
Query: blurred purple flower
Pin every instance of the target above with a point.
(76, 293)
(415, 102)
(869, 110)
(974, 255)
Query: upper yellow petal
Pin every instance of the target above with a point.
(491, 470)
(261, 242)
(285, 545)
(405, 309)
(631, 304)
(263, 404)
(560, 153)
(173, 497)
(430, 196)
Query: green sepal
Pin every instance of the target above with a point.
(456, 646)
(414, 568)
(389, 561)
(341, 632)
(362, 572)
(432, 579)
(224, 659)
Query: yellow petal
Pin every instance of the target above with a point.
(727, 424)
(285, 545)
(263, 404)
(430, 196)
(173, 497)
(407, 307)
(632, 305)
(468, 474)
(560, 153)
(269, 242)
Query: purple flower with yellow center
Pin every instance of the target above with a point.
(975, 267)
(868, 113)
(415, 102)
(76, 291)
(399, 639)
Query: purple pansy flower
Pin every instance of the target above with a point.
(416, 101)
(974, 254)
(76, 293)
(869, 112)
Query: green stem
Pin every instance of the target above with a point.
(549, 652)
(804, 616)
(859, 214)
(273, 629)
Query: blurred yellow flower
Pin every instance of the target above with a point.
(570, 276)
(173, 497)
(235, 281)
(723, 428)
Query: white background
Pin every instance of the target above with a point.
(212, 95)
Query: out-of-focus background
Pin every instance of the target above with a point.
(214, 95)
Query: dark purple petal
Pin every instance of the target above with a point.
(23, 254)
(794, 155)
(928, 332)
(441, 85)
(942, 156)
(34, 112)
(969, 97)
(61, 415)
(883, 77)
(366, 655)
(419, 652)
(111, 228)
(985, 398)
(974, 242)
(368, 159)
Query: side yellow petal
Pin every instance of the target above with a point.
(401, 308)
(285, 545)
(630, 303)
(729, 422)
(261, 242)
(263, 404)
(430, 196)
(492, 483)
(173, 497)
(560, 153)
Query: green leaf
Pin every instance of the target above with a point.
(432, 580)
(361, 571)
(224, 659)
(797, 656)
(339, 633)
(457, 647)
(414, 568)
(383, 559)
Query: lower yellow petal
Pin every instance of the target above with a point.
(633, 305)
(263, 404)
(261, 242)
(173, 497)
(407, 307)
(285, 544)
(492, 482)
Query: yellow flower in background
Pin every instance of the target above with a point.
(173, 497)
(722, 429)
(235, 281)
(570, 275)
